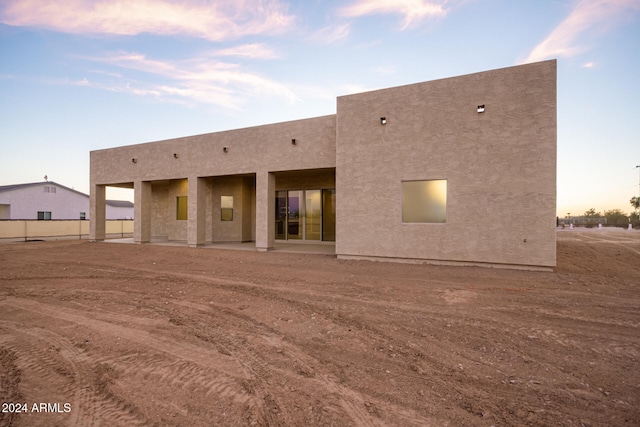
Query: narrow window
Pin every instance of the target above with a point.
(44, 216)
(46, 188)
(424, 201)
(182, 208)
(83, 215)
(226, 208)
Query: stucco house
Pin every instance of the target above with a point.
(454, 171)
(49, 200)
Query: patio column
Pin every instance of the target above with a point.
(142, 211)
(97, 212)
(265, 211)
(196, 223)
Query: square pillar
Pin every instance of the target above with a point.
(196, 223)
(97, 212)
(265, 211)
(142, 211)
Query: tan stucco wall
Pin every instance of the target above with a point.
(256, 151)
(500, 167)
(159, 209)
(241, 189)
(306, 180)
(261, 148)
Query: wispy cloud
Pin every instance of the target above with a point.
(413, 11)
(194, 81)
(587, 17)
(219, 20)
(332, 33)
(254, 51)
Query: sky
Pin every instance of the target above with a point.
(83, 75)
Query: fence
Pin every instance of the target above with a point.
(33, 229)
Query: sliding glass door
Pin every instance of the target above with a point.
(305, 215)
(295, 217)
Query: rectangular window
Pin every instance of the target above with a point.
(226, 208)
(182, 208)
(44, 216)
(83, 215)
(424, 201)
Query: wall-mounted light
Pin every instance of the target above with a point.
(293, 141)
(134, 160)
(383, 120)
(481, 108)
(225, 149)
(175, 155)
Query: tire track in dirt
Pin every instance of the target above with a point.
(302, 367)
(248, 349)
(292, 298)
(65, 370)
(625, 242)
(58, 364)
(10, 376)
(208, 369)
(458, 345)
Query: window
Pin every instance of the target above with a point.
(424, 201)
(48, 189)
(83, 215)
(182, 208)
(44, 216)
(226, 208)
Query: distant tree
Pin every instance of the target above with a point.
(635, 217)
(591, 213)
(616, 217)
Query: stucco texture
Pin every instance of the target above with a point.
(500, 167)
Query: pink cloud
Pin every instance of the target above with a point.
(198, 80)
(197, 18)
(413, 10)
(587, 17)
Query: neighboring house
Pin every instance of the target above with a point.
(459, 170)
(49, 200)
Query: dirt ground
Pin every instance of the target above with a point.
(115, 334)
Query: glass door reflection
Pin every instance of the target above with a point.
(329, 215)
(295, 213)
(313, 215)
(306, 215)
(281, 215)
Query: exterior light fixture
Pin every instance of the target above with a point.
(225, 149)
(293, 141)
(134, 160)
(383, 120)
(481, 108)
(175, 155)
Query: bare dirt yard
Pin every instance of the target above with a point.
(114, 334)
